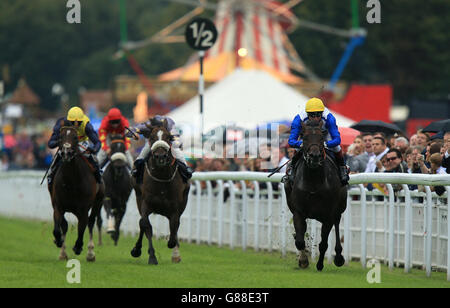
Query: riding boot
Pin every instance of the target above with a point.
(138, 170)
(97, 171)
(185, 171)
(288, 179)
(343, 170)
(103, 163)
(52, 172)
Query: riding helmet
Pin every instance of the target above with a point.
(314, 105)
(75, 114)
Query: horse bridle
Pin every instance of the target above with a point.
(161, 180)
(66, 146)
(168, 147)
(308, 158)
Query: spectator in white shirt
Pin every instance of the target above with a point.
(379, 149)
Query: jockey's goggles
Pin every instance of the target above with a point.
(315, 114)
(114, 122)
(74, 123)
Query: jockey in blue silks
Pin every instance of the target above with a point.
(316, 111)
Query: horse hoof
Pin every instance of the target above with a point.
(319, 266)
(63, 257)
(303, 263)
(171, 244)
(339, 260)
(136, 253)
(90, 258)
(58, 243)
(152, 261)
(77, 251)
(176, 259)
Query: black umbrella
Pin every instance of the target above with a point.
(368, 126)
(438, 126)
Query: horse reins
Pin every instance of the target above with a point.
(160, 180)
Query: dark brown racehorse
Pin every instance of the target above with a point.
(117, 184)
(76, 191)
(317, 193)
(163, 191)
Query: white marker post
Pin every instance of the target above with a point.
(201, 90)
(201, 34)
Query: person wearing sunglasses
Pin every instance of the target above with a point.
(87, 138)
(316, 111)
(114, 123)
(394, 162)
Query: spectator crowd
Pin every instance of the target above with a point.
(369, 152)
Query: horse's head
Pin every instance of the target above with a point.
(68, 143)
(313, 143)
(118, 149)
(160, 139)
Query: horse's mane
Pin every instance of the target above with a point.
(313, 124)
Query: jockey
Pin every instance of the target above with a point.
(86, 133)
(113, 124)
(316, 111)
(138, 170)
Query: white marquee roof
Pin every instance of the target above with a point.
(245, 98)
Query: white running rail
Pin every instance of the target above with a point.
(248, 210)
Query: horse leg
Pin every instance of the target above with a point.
(174, 223)
(91, 255)
(145, 225)
(82, 222)
(64, 227)
(99, 228)
(300, 229)
(326, 228)
(95, 215)
(338, 259)
(57, 219)
(136, 251)
(176, 257)
(116, 234)
(109, 215)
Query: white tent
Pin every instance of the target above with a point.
(245, 98)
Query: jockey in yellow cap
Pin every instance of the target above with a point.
(87, 138)
(316, 111)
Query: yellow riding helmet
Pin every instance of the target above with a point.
(75, 114)
(314, 105)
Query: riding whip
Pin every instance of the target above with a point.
(278, 169)
(51, 165)
(134, 135)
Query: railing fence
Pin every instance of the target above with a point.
(248, 210)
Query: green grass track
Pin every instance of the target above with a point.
(28, 258)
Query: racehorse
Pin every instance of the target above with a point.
(117, 184)
(74, 190)
(162, 192)
(316, 193)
